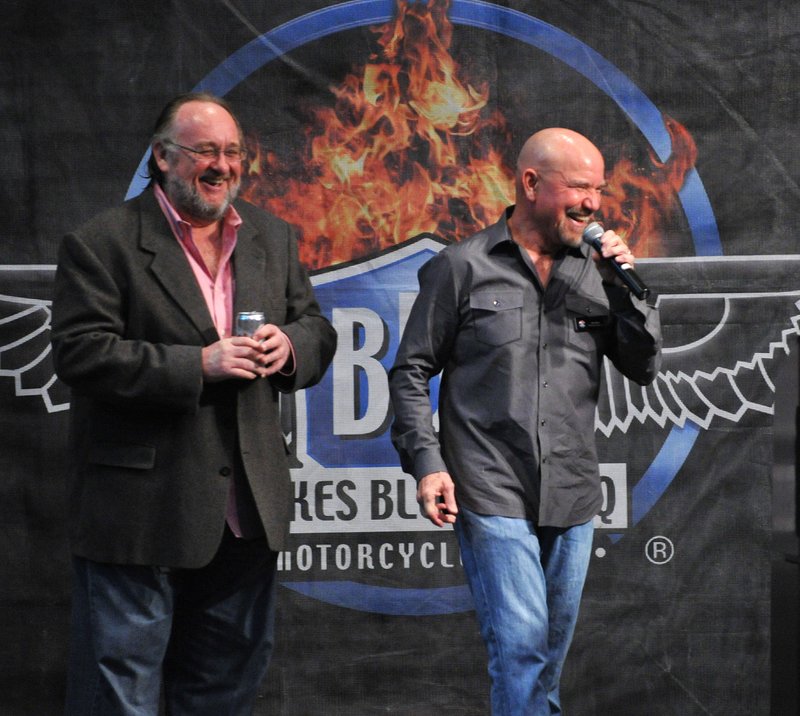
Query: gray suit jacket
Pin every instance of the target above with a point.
(154, 448)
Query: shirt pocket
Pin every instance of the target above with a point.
(587, 320)
(497, 316)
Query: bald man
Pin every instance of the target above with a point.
(518, 319)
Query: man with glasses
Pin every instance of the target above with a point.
(519, 318)
(180, 495)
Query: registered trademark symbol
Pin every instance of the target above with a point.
(659, 550)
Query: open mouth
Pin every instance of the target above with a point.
(581, 220)
(213, 180)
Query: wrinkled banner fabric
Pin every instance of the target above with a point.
(384, 130)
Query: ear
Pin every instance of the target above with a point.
(160, 155)
(530, 180)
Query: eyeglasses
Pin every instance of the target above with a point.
(208, 154)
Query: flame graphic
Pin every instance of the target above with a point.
(640, 201)
(408, 147)
(411, 146)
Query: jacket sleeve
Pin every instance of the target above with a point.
(91, 353)
(423, 352)
(313, 337)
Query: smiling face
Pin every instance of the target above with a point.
(568, 200)
(561, 177)
(200, 188)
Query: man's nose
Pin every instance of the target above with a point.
(591, 200)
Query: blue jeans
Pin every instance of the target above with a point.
(202, 636)
(526, 582)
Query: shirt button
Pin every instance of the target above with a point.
(225, 471)
(544, 383)
(542, 422)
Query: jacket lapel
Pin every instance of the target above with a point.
(171, 269)
(249, 266)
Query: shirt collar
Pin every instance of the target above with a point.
(501, 234)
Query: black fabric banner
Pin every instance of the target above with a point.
(384, 129)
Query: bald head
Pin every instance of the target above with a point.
(556, 149)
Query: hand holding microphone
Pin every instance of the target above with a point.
(592, 235)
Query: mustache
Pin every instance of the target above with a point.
(579, 213)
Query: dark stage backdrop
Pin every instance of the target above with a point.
(384, 129)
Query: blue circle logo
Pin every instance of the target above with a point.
(584, 60)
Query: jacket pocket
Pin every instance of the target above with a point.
(111, 454)
(497, 315)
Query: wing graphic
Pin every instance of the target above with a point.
(25, 353)
(743, 313)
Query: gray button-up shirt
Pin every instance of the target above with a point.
(521, 368)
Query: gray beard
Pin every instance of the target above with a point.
(187, 200)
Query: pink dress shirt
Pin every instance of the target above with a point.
(217, 290)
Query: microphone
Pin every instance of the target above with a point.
(591, 236)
